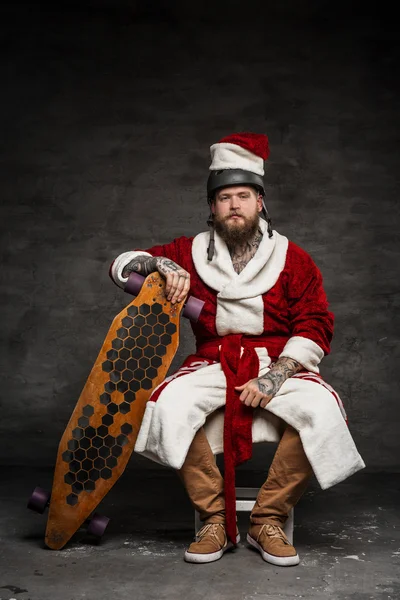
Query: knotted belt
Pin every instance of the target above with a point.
(240, 363)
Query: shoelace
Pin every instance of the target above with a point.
(273, 531)
(213, 526)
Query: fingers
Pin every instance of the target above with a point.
(174, 279)
(177, 285)
(251, 396)
(171, 282)
(256, 401)
(177, 280)
(182, 285)
(241, 387)
(186, 289)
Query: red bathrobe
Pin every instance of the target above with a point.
(282, 299)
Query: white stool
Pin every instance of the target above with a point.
(245, 500)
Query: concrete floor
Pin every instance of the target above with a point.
(347, 537)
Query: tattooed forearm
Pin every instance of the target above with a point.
(165, 265)
(286, 366)
(283, 369)
(141, 264)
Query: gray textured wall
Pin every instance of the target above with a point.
(107, 119)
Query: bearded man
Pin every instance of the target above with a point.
(264, 329)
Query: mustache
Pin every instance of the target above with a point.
(235, 214)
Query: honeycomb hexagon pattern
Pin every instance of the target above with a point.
(132, 363)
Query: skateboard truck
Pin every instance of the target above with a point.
(40, 500)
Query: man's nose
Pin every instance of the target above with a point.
(234, 203)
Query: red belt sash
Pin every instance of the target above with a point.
(239, 366)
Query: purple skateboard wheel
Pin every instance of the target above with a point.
(134, 284)
(98, 524)
(193, 308)
(39, 500)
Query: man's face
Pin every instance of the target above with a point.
(236, 213)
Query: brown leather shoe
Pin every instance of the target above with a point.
(273, 545)
(210, 544)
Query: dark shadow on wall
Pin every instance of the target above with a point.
(108, 113)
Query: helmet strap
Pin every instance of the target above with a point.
(267, 218)
(211, 245)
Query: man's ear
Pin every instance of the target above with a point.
(212, 206)
(260, 202)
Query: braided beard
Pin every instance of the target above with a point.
(237, 233)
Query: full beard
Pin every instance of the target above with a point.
(237, 233)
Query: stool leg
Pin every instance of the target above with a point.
(289, 526)
(197, 522)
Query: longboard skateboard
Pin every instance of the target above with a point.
(101, 433)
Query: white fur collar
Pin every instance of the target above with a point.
(245, 314)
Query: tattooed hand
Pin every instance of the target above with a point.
(260, 391)
(177, 279)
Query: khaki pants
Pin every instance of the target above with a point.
(287, 480)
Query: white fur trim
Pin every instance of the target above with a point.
(183, 406)
(144, 432)
(232, 156)
(120, 263)
(305, 351)
(244, 316)
(240, 307)
(313, 411)
(175, 418)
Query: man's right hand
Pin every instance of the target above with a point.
(177, 280)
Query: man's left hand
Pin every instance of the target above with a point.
(259, 391)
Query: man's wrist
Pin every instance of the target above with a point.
(283, 369)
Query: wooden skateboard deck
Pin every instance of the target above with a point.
(101, 434)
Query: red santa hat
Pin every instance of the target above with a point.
(237, 159)
(246, 151)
